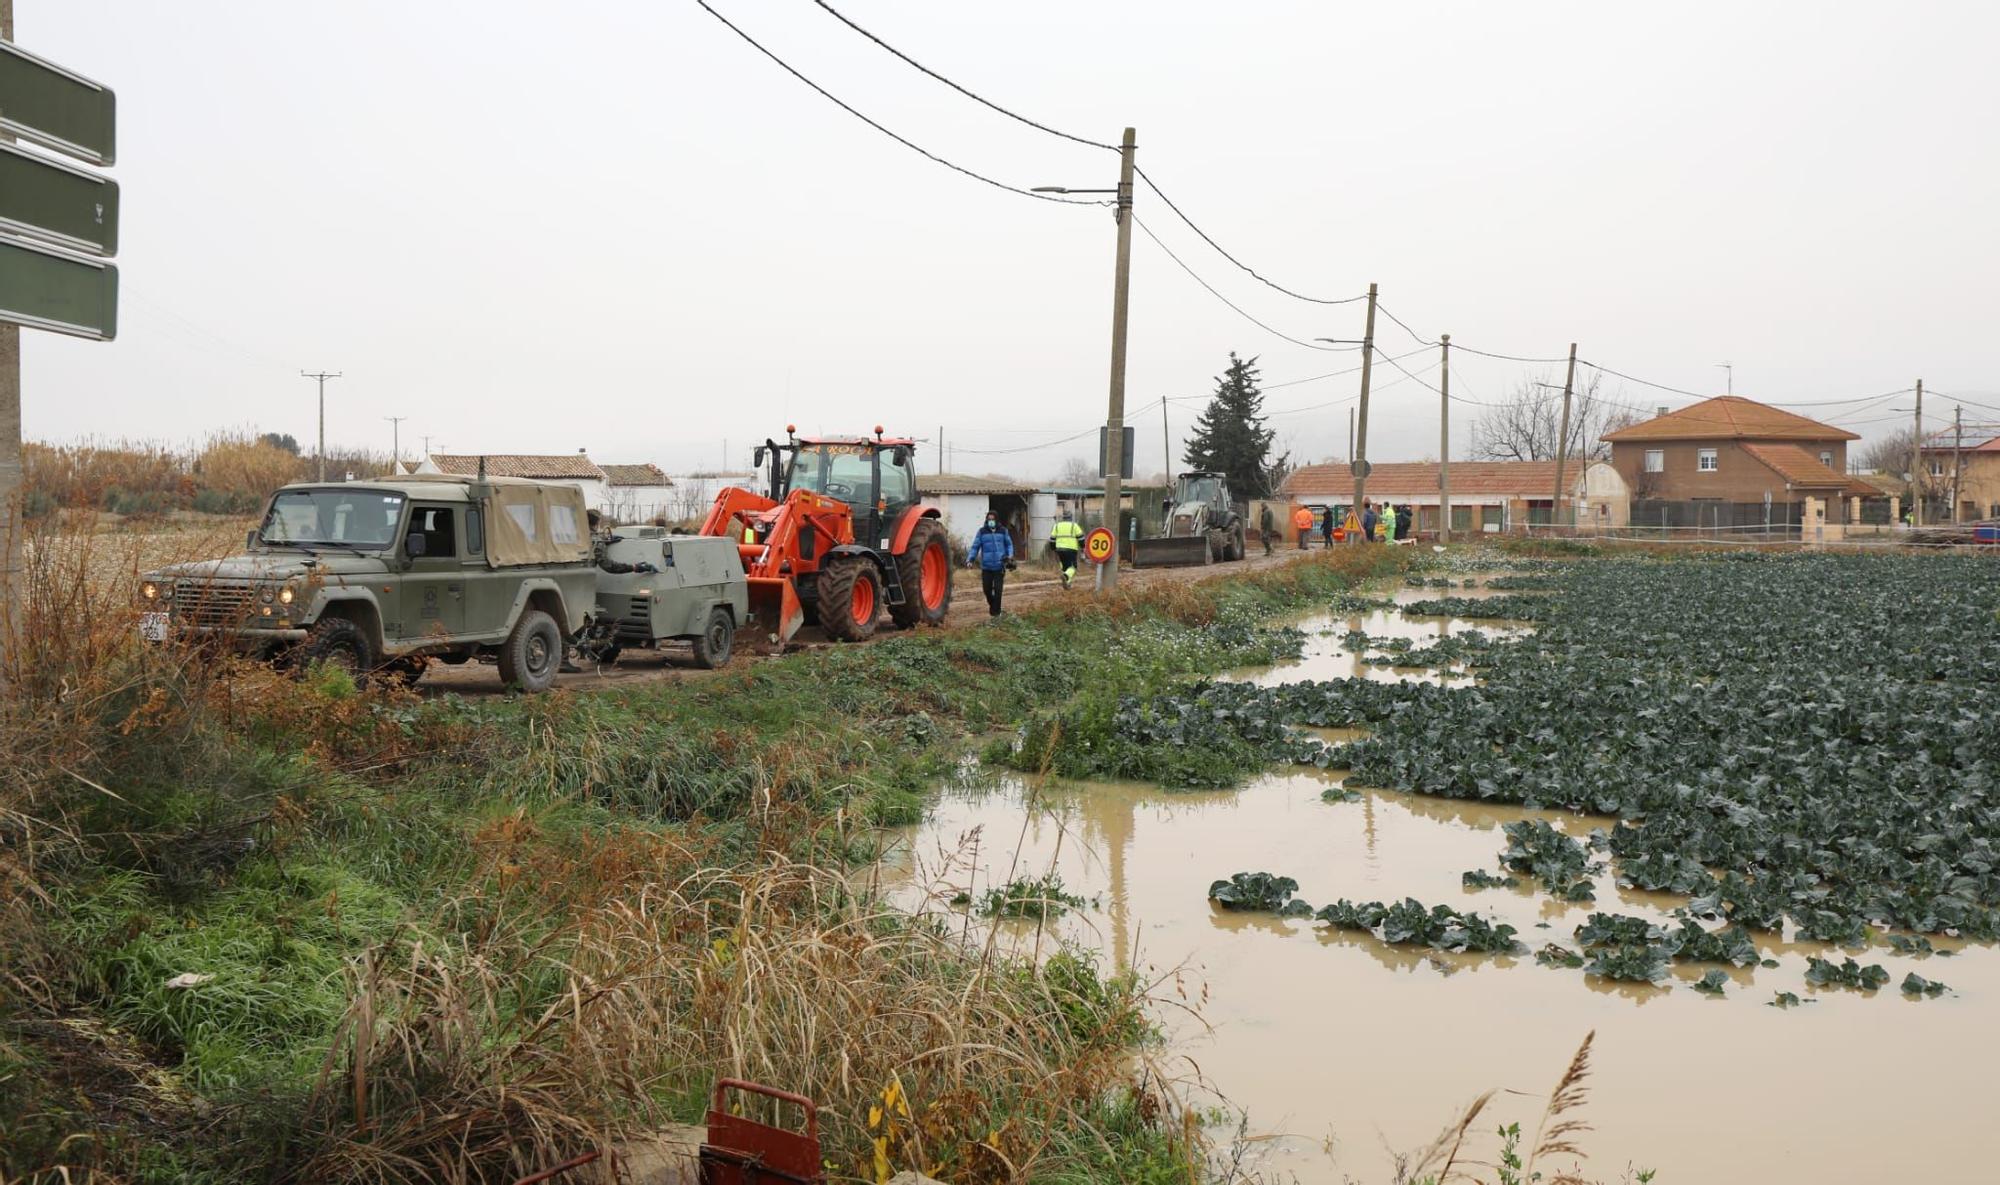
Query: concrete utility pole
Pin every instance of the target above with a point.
(1957, 456)
(1917, 462)
(1359, 463)
(1166, 440)
(321, 379)
(395, 441)
(940, 450)
(1121, 299)
(1562, 439)
(11, 494)
(1444, 439)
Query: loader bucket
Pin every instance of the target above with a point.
(774, 602)
(1179, 551)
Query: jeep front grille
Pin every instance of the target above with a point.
(210, 604)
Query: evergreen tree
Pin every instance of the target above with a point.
(1230, 437)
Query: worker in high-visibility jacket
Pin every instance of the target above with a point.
(1386, 522)
(1068, 539)
(1302, 522)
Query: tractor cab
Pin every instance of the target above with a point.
(875, 476)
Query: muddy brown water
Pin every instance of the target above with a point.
(1340, 1048)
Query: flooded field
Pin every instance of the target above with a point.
(1341, 1048)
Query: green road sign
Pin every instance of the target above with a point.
(43, 199)
(45, 104)
(48, 289)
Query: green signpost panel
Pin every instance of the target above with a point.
(50, 290)
(45, 104)
(43, 199)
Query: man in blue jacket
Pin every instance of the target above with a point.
(993, 550)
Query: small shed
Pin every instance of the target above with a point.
(575, 468)
(963, 503)
(638, 493)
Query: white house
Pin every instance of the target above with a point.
(691, 494)
(963, 502)
(638, 493)
(575, 468)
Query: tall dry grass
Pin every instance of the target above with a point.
(227, 472)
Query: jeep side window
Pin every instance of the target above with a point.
(434, 523)
(562, 524)
(475, 532)
(523, 515)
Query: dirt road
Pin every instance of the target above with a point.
(1027, 587)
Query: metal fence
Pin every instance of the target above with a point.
(1777, 520)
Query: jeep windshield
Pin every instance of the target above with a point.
(360, 519)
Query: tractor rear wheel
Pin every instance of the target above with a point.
(850, 595)
(925, 570)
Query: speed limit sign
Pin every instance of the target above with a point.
(1098, 545)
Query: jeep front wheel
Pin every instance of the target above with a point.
(532, 654)
(339, 643)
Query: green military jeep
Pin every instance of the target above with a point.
(384, 575)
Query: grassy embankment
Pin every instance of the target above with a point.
(443, 940)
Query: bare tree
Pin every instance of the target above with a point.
(1889, 455)
(1078, 471)
(1526, 426)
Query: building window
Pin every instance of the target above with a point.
(1937, 467)
(1826, 458)
(1656, 460)
(1704, 460)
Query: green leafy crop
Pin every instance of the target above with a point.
(1259, 892)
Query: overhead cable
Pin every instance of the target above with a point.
(980, 99)
(1232, 304)
(920, 150)
(1162, 195)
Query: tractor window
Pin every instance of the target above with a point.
(838, 471)
(434, 523)
(897, 487)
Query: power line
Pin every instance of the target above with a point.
(1225, 300)
(1182, 215)
(830, 97)
(981, 100)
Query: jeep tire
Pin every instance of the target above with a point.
(716, 641)
(339, 643)
(533, 654)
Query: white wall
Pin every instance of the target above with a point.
(640, 504)
(962, 513)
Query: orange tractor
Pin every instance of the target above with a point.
(840, 538)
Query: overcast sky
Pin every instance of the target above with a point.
(616, 226)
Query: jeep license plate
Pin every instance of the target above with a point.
(153, 627)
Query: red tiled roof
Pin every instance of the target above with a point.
(574, 465)
(1973, 438)
(962, 483)
(1800, 468)
(1730, 417)
(1397, 479)
(647, 474)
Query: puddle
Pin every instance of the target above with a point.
(1340, 1047)
(1325, 657)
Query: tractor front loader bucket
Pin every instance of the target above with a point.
(774, 602)
(1174, 551)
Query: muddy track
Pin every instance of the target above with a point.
(1028, 587)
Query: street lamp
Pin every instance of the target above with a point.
(1121, 293)
(1729, 376)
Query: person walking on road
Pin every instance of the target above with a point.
(993, 550)
(1406, 522)
(1068, 538)
(1326, 528)
(1388, 522)
(1369, 519)
(1302, 522)
(1267, 526)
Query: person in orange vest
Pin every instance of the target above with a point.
(1302, 522)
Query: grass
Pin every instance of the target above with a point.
(260, 927)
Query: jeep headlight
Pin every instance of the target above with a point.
(268, 595)
(149, 590)
(285, 595)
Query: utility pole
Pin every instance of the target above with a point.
(321, 379)
(1957, 456)
(1359, 465)
(427, 446)
(1917, 462)
(1350, 436)
(1562, 439)
(1166, 441)
(12, 496)
(1444, 440)
(1121, 294)
(940, 450)
(396, 441)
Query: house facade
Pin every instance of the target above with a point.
(1731, 456)
(1486, 496)
(1968, 457)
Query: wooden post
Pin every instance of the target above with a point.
(1444, 439)
(1562, 439)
